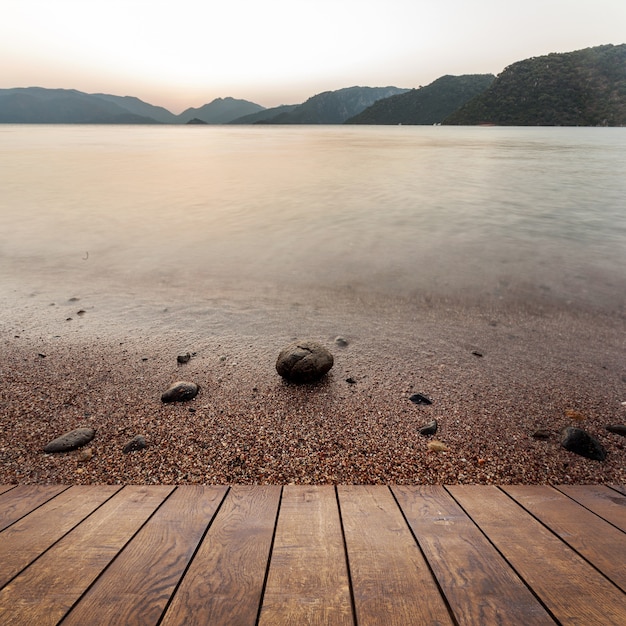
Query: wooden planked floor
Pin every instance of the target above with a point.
(272, 555)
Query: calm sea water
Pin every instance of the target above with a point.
(494, 214)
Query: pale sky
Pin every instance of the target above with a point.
(182, 53)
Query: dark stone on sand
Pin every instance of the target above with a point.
(136, 443)
(304, 362)
(541, 434)
(180, 391)
(429, 429)
(418, 398)
(351, 381)
(341, 342)
(477, 353)
(183, 358)
(71, 440)
(580, 442)
(617, 429)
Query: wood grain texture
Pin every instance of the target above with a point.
(480, 586)
(572, 590)
(599, 542)
(308, 576)
(137, 586)
(17, 502)
(33, 534)
(224, 582)
(620, 488)
(391, 582)
(44, 592)
(600, 499)
(4, 488)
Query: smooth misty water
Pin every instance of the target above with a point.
(467, 213)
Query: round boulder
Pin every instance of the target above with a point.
(580, 442)
(180, 392)
(304, 362)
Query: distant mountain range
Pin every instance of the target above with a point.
(426, 105)
(581, 88)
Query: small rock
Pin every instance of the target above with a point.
(437, 446)
(304, 362)
(477, 353)
(418, 398)
(341, 342)
(580, 442)
(617, 429)
(183, 358)
(180, 391)
(351, 381)
(429, 429)
(574, 415)
(541, 434)
(136, 443)
(85, 455)
(71, 440)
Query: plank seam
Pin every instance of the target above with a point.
(97, 578)
(269, 559)
(347, 558)
(193, 556)
(37, 507)
(513, 568)
(52, 545)
(430, 569)
(562, 539)
(573, 499)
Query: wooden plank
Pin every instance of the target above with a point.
(224, 582)
(478, 583)
(602, 500)
(308, 576)
(572, 590)
(16, 503)
(4, 488)
(592, 537)
(391, 581)
(44, 592)
(136, 587)
(620, 488)
(26, 539)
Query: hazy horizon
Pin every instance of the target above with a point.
(187, 54)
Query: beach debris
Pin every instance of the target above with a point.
(419, 398)
(580, 442)
(542, 434)
(341, 342)
(138, 442)
(574, 415)
(81, 312)
(183, 358)
(617, 429)
(85, 455)
(70, 440)
(429, 429)
(180, 391)
(477, 353)
(304, 361)
(437, 446)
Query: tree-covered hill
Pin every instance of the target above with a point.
(582, 88)
(426, 105)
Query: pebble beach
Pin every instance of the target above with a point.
(503, 383)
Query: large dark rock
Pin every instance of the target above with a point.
(304, 362)
(136, 443)
(580, 442)
(180, 392)
(71, 440)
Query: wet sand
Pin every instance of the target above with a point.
(495, 375)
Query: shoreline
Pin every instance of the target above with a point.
(494, 378)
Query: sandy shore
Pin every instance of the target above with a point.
(494, 376)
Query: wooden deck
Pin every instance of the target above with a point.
(272, 555)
